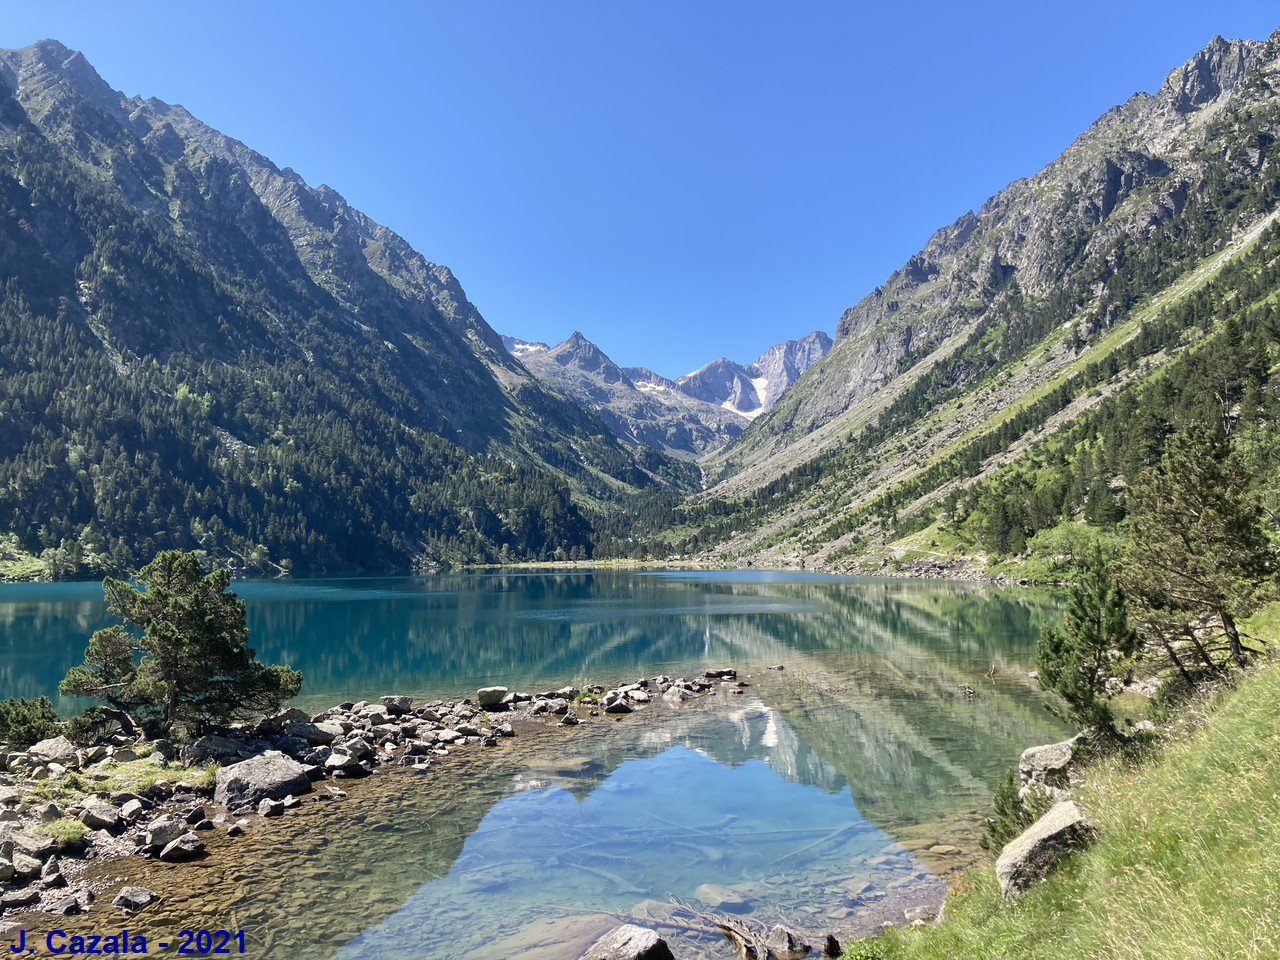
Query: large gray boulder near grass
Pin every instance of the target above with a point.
(1033, 854)
(269, 776)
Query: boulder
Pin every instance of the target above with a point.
(164, 830)
(1048, 765)
(26, 867)
(1030, 857)
(55, 750)
(270, 775)
(619, 706)
(13, 839)
(629, 942)
(785, 944)
(315, 734)
(133, 899)
(99, 815)
(271, 808)
(20, 898)
(396, 704)
(6, 871)
(211, 748)
(186, 847)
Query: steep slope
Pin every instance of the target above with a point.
(199, 349)
(647, 410)
(1016, 321)
(1044, 241)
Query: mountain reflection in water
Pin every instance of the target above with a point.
(789, 795)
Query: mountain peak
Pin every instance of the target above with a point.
(1216, 69)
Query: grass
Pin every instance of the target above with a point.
(1185, 867)
(66, 830)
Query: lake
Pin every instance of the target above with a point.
(832, 793)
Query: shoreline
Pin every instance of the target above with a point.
(535, 719)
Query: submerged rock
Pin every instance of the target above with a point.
(133, 898)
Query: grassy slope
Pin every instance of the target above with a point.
(1186, 865)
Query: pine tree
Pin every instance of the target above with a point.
(1198, 544)
(191, 665)
(1095, 645)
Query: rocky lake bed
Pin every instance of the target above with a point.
(263, 828)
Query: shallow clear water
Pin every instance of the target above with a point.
(812, 782)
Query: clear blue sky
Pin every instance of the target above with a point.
(677, 179)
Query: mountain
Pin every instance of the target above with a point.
(1074, 315)
(753, 389)
(199, 349)
(690, 416)
(638, 405)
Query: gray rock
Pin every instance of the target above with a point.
(13, 839)
(271, 808)
(212, 748)
(1031, 856)
(785, 944)
(271, 775)
(490, 698)
(133, 899)
(98, 815)
(316, 734)
(619, 706)
(341, 761)
(20, 898)
(164, 830)
(629, 942)
(195, 814)
(357, 747)
(67, 906)
(55, 750)
(678, 694)
(186, 847)
(165, 749)
(6, 870)
(132, 809)
(50, 812)
(1048, 765)
(396, 704)
(25, 866)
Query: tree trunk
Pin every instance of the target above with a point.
(1233, 636)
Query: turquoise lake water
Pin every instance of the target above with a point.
(837, 772)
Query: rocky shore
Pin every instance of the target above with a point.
(65, 807)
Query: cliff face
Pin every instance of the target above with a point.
(1136, 167)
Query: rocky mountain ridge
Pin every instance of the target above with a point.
(1006, 327)
(277, 378)
(690, 416)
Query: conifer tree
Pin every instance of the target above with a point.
(1198, 545)
(1095, 645)
(191, 665)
